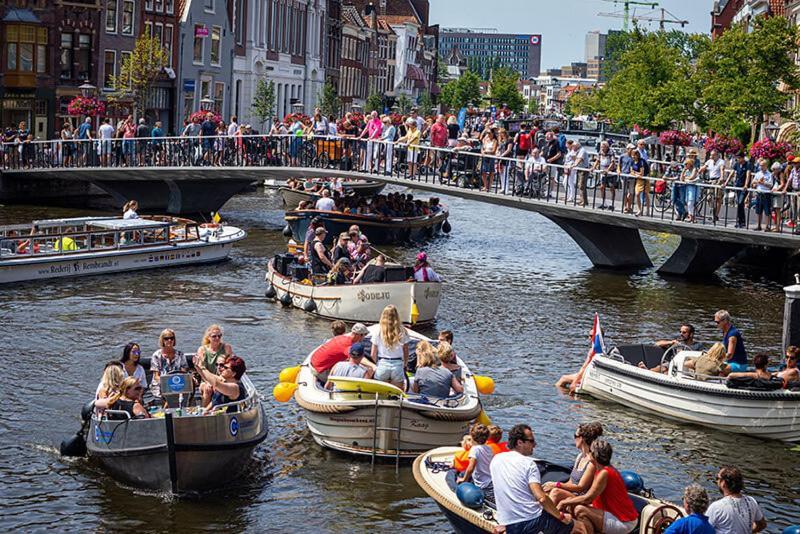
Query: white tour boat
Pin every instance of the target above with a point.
(682, 396)
(374, 418)
(60, 248)
(416, 302)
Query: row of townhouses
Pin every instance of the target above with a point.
(54, 50)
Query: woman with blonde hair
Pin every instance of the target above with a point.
(213, 347)
(110, 383)
(710, 363)
(127, 399)
(447, 356)
(390, 348)
(431, 378)
(166, 360)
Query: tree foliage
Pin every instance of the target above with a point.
(374, 103)
(404, 103)
(138, 72)
(328, 100)
(584, 101)
(745, 76)
(264, 100)
(425, 103)
(504, 89)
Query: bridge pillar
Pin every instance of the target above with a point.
(699, 257)
(606, 245)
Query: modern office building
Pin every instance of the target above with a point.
(521, 52)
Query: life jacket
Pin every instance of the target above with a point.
(461, 460)
(496, 447)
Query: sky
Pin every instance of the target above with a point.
(563, 24)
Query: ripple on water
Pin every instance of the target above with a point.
(520, 297)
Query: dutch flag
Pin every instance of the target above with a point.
(598, 346)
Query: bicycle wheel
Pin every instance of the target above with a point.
(662, 201)
(323, 161)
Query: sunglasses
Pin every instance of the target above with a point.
(222, 366)
(136, 352)
(533, 441)
(215, 336)
(169, 338)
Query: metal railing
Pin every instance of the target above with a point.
(655, 197)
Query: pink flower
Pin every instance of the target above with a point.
(89, 106)
(675, 138)
(769, 149)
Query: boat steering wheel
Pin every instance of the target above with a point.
(661, 518)
(670, 353)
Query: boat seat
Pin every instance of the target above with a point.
(649, 354)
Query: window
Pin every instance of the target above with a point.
(148, 5)
(168, 43)
(158, 32)
(188, 104)
(127, 17)
(66, 56)
(84, 56)
(159, 6)
(219, 96)
(205, 89)
(110, 69)
(26, 48)
(170, 6)
(208, 6)
(216, 37)
(123, 58)
(199, 32)
(111, 16)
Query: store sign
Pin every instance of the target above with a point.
(201, 31)
(188, 86)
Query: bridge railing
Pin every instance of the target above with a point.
(663, 198)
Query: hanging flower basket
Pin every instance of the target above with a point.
(724, 145)
(675, 138)
(86, 106)
(769, 149)
(643, 132)
(292, 117)
(397, 119)
(201, 116)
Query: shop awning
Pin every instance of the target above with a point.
(16, 14)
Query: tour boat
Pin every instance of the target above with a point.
(59, 248)
(293, 197)
(179, 449)
(374, 418)
(433, 474)
(681, 396)
(416, 302)
(379, 230)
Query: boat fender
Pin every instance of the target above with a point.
(792, 530)
(270, 292)
(310, 306)
(633, 482)
(470, 495)
(87, 410)
(286, 299)
(284, 391)
(287, 231)
(484, 384)
(289, 374)
(446, 227)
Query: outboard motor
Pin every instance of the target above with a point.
(76, 445)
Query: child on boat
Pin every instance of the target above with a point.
(461, 458)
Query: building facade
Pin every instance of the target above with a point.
(206, 58)
(520, 52)
(160, 18)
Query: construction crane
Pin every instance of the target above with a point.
(627, 9)
(665, 18)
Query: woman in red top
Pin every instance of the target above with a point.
(611, 510)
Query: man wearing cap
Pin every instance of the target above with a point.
(335, 350)
(353, 367)
(320, 262)
(316, 222)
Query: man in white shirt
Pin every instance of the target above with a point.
(522, 504)
(106, 134)
(716, 175)
(535, 168)
(233, 127)
(582, 164)
(762, 181)
(325, 203)
(734, 513)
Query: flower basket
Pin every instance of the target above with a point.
(86, 106)
(769, 149)
(724, 145)
(675, 138)
(292, 117)
(201, 116)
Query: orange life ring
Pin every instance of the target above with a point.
(209, 225)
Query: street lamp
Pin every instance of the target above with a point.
(356, 108)
(772, 130)
(297, 108)
(206, 104)
(87, 89)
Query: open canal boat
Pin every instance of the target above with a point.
(433, 474)
(374, 418)
(179, 448)
(59, 248)
(293, 197)
(683, 396)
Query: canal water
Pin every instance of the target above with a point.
(520, 297)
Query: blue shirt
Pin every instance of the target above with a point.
(739, 355)
(691, 524)
(625, 163)
(83, 131)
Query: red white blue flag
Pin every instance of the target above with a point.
(598, 346)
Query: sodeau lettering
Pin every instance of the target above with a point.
(364, 296)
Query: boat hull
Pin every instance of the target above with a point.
(67, 265)
(361, 303)
(770, 415)
(293, 197)
(205, 452)
(379, 231)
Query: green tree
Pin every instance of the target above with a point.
(138, 71)
(374, 103)
(404, 103)
(504, 89)
(746, 76)
(583, 102)
(447, 97)
(441, 68)
(264, 100)
(467, 90)
(328, 100)
(425, 103)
